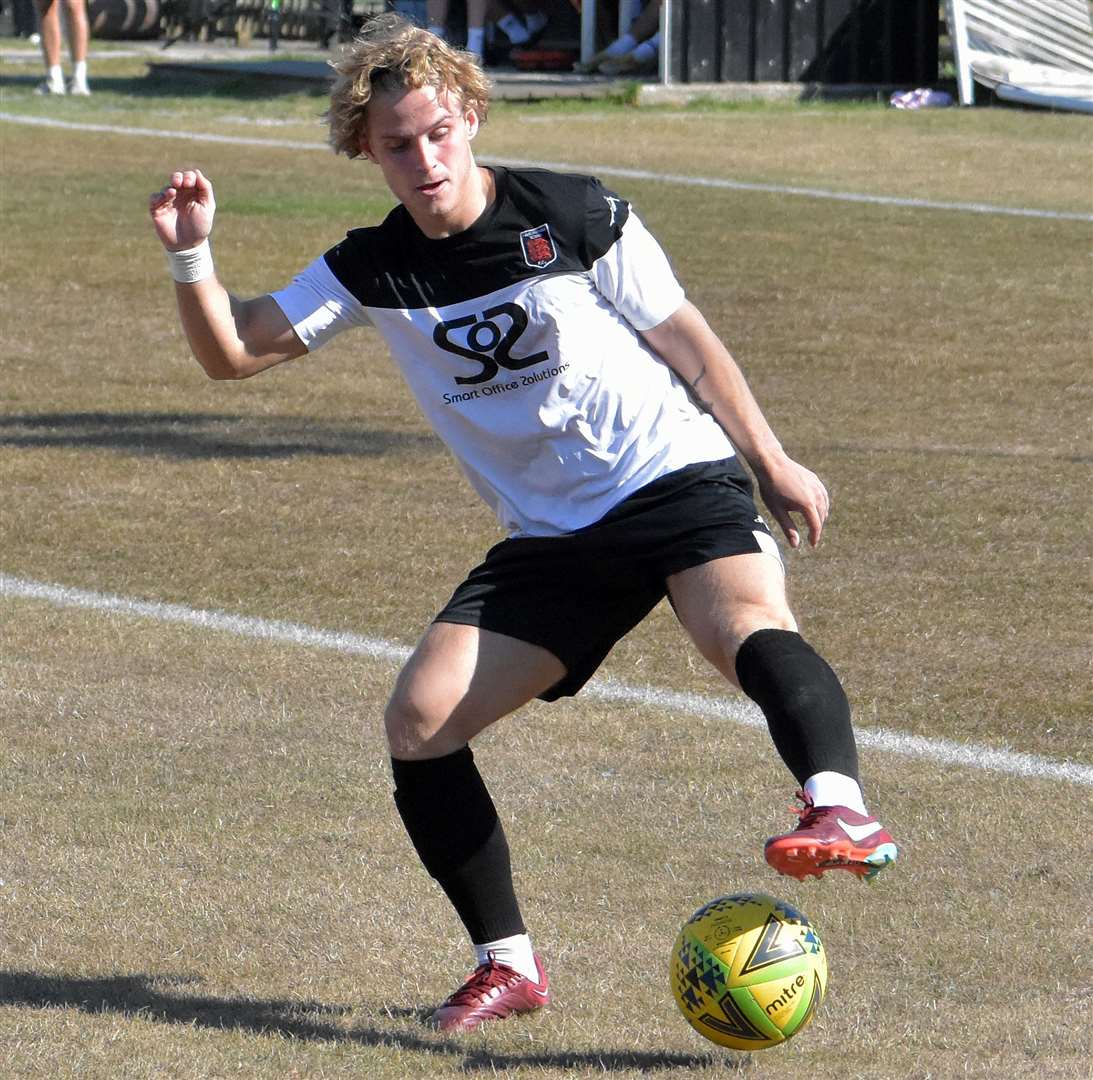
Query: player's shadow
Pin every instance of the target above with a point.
(163, 999)
(198, 436)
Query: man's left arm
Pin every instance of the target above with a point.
(687, 344)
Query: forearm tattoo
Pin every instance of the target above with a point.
(697, 392)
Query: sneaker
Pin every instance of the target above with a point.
(629, 64)
(47, 88)
(831, 838)
(493, 992)
(79, 87)
(591, 66)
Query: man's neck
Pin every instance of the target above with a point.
(482, 195)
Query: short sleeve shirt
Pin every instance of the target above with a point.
(520, 340)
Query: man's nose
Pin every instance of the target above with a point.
(424, 155)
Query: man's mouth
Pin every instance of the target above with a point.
(430, 189)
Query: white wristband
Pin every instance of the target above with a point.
(192, 264)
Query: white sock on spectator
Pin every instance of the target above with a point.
(514, 29)
(621, 46)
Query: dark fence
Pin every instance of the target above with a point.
(879, 42)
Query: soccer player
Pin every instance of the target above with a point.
(547, 341)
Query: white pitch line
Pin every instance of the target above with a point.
(737, 711)
(240, 625)
(160, 133)
(599, 169)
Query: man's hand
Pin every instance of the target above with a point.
(788, 488)
(182, 212)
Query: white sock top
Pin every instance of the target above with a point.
(835, 789)
(514, 951)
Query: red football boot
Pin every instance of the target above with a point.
(831, 838)
(493, 992)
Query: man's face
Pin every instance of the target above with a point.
(421, 141)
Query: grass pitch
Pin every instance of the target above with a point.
(203, 874)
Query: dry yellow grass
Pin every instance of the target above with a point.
(203, 874)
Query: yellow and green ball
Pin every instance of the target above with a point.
(748, 971)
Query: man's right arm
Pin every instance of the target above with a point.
(231, 338)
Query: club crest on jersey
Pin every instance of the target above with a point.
(538, 247)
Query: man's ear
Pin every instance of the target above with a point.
(470, 118)
(364, 147)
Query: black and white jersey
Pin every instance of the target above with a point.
(519, 337)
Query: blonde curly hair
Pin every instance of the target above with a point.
(391, 53)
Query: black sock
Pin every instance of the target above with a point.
(455, 829)
(803, 701)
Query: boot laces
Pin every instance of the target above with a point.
(809, 812)
(483, 981)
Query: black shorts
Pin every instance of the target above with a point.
(576, 595)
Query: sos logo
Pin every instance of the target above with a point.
(488, 340)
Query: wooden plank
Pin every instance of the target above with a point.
(738, 41)
(803, 39)
(703, 40)
(771, 59)
(837, 61)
